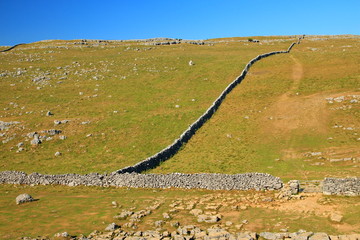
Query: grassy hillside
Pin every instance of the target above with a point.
(137, 98)
(280, 121)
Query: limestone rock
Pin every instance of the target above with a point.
(196, 212)
(209, 218)
(336, 217)
(62, 235)
(319, 236)
(36, 140)
(23, 198)
(112, 227)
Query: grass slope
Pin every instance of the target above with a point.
(280, 113)
(142, 84)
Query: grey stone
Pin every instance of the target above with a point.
(23, 198)
(319, 236)
(196, 212)
(246, 236)
(62, 235)
(62, 137)
(57, 154)
(294, 186)
(112, 227)
(35, 141)
(124, 214)
(175, 224)
(209, 218)
(166, 216)
(159, 223)
(336, 217)
(272, 236)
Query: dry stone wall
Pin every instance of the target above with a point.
(211, 181)
(342, 186)
(8, 49)
(171, 150)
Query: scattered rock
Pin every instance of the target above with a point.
(57, 154)
(48, 113)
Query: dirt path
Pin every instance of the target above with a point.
(292, 112)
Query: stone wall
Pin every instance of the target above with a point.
(169, 151)
(8, 49)
(342, 186)
(211, 181)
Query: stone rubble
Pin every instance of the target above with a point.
(194, 232)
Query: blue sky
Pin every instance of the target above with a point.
(24, 21)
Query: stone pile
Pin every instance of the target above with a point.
(194, 232)
(246, 181)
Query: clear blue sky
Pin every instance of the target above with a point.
(24, 21)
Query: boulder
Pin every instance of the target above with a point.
(319, 236)
(23, 198)
(294, 186)
(35, 141)
(112, 227)
(336, 217)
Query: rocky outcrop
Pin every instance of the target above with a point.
(342, 186)
(211, 181)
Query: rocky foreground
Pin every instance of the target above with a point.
(114, 232)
